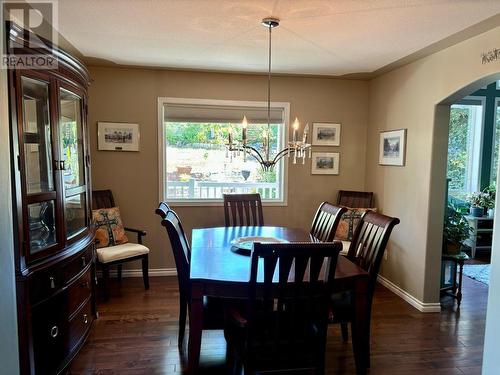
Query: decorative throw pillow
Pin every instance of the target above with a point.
(349, 221)
(109, 227)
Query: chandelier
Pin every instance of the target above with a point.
(298, 147)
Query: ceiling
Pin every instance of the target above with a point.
(318, 37)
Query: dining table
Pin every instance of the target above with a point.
(218, 270)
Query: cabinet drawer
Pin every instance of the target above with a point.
(46, 282)
(79, 324)
(485, 224)
(79, 291)
(77, 264)
(49, 334)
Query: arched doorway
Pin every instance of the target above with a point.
(438, 181)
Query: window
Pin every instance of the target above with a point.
(464, 147)
(496, 137)
(195, 166)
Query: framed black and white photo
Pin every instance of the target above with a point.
(118, 136)
(325, 134)
(325, 163)
(392, 149)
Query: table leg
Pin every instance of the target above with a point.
(195, 328)
(459, 293)
(361, 327)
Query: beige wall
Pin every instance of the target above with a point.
(407, 98)
(130, 95)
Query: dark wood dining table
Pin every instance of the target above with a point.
(218, 271)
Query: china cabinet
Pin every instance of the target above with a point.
(54, 242)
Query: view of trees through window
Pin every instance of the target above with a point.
(198, 165)
(461, 150)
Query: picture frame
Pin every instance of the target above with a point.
(325, 163)
(326, 134)
(392, 148)
(117, 136)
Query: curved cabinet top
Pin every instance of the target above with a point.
(69, 67)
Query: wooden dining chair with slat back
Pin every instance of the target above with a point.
(213, 314)
(357, 199)
(243, 210)
(326, 221)
(119, 254)
(284, 327)
(367, 249)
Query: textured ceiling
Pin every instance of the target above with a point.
(318, 37)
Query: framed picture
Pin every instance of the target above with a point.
(118, 136)
(325, 134)
(392, 150)
(325, 163)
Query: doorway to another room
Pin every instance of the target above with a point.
(471, 178)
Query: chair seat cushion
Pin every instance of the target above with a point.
(118, 252)
(345, 247)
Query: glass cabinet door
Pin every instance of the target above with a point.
(72, 162)
(38, 165)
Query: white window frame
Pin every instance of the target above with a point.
(162, 151)
(475, 162)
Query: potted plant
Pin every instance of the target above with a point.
(456, 230)
(490, 201)
(479, 202)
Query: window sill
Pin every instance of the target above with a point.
(217, 203)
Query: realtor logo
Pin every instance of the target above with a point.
(38, 19)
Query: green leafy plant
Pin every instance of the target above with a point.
(456, 227)
(485, 199)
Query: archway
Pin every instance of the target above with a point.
(438, 183)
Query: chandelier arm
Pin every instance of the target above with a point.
(255, 154)
(282, 153)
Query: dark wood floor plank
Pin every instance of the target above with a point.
(136, 333)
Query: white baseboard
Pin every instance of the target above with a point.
(416, 303)
(153, 272)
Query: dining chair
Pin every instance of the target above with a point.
(119, 254)
(357, 199)
(284, 326)
(325, 221)
(213, 308)
(243, 210)
(366, 250)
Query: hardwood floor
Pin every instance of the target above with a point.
(136, 333)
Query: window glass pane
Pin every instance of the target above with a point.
(37, 141)
(494, 167)
(198, 166)
(75, 214)
(71, 139)
(42, 229)
(464, 145)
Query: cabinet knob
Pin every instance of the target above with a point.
(54, 331)
(57, 164)
(52, 282)
(84, 262)
(85, 318)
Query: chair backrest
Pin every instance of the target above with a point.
(243, 210)
(179, 244)
(355, 199)
(102, 199)
(326, 221)
(369, 242)
(288, 318)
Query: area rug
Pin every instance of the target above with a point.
(479, 272)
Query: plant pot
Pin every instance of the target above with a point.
(477, 211)
(491, 212)
(452, 248)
